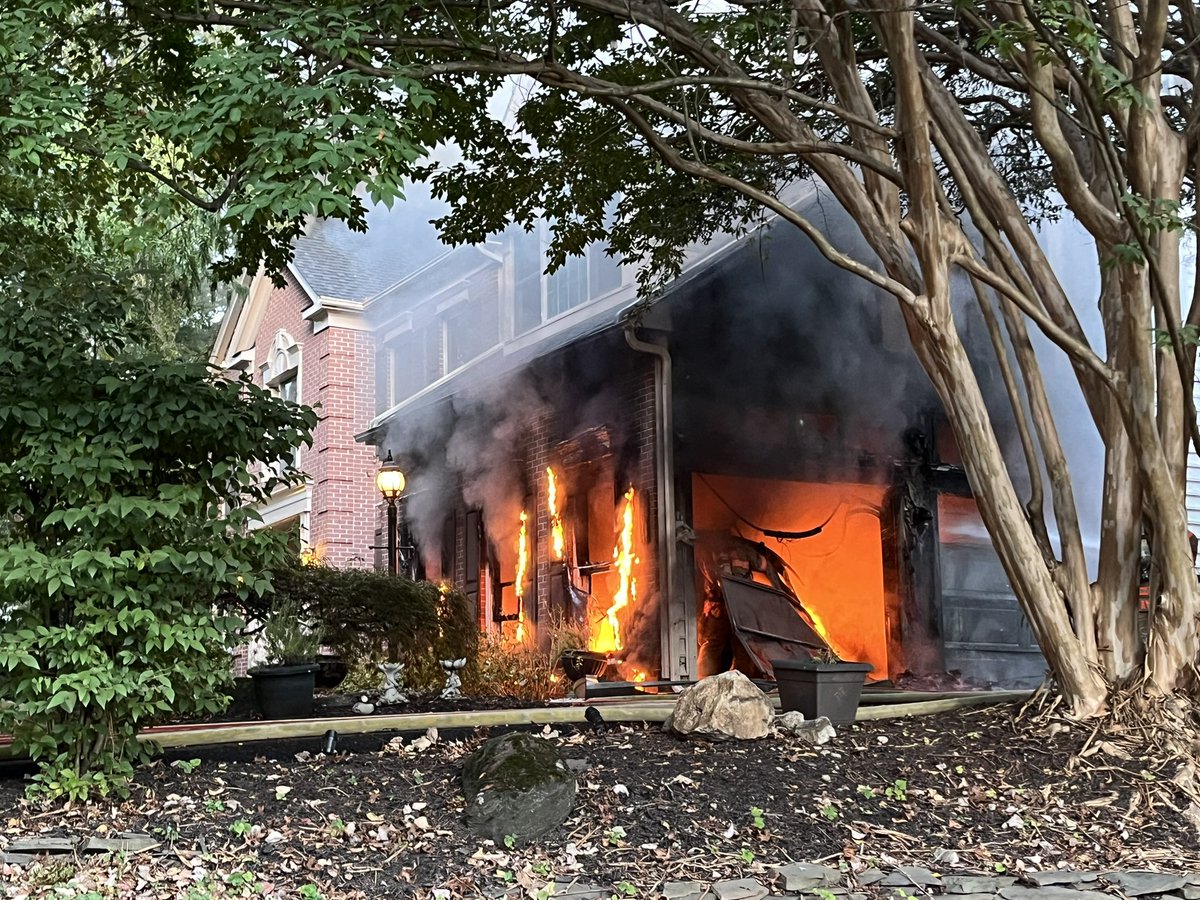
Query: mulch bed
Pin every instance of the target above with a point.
(975, 790)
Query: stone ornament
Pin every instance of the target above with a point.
(393, 683)
(453, 688)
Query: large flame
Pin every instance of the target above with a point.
(522, 569)
(557, 541)
(607, 636)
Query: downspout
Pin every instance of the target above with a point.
(675, 654)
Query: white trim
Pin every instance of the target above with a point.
(282, 362)
(334, 312)
(287, 504)
(461, 294)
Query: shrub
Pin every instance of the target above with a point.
(522, 671)
(115, 476)
(369, 616)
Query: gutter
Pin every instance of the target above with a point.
(675, 651)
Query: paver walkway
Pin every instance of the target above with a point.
(803, 881)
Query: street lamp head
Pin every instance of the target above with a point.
(389, 480)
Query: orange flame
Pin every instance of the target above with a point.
(821, 629)
(522, 569)
(638, 676)
(608, 633)
(557, 541)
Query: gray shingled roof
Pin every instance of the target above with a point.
(352, 265)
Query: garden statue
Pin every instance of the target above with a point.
(393, 681)
(453, 682)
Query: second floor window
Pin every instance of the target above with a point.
(538, 297)
(288, 390)
(472, 327)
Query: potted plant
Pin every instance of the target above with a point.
(821, 686)
(285, 685)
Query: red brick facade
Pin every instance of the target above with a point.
(334, 377)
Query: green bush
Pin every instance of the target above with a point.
(371, 616)
(115, 480)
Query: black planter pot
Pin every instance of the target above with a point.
(285, 692)
(821, 689)
(581, 663)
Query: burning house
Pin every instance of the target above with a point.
(752, 467)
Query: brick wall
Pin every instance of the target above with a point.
(336, 368)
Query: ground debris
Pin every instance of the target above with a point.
(932, 793)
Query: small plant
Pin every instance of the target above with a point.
(289, 641)
(240, 880)
(214, 806)
(505, 875)
(281, 791)
(865, 792)
(186, 766)
(627, 889)
(830, 812)
(541, 867)
(898, 790)
(241, 827)
(746, 855)
(958, 770)
(756, 816)
(1000, 868)
(615, 835)
(510, 841)
(311, 892)
(337, 828)
(825, 894)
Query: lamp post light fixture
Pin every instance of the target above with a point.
(389, 481)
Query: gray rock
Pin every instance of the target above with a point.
(1138, 884)
(517, 784)
(723, 706)
(806, 877)
(814, 731)
(741, 888)
(1051, 892)
(1189, 892)
(16, 859)
(577, 765)
(868, 877)
(908, 876)
(684, 890)
(975, 884)
(1060, 876)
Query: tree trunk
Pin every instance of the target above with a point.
(942, 353)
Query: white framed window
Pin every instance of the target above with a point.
(281, 376)
(538, 297)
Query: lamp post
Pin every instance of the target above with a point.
(389, 481)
